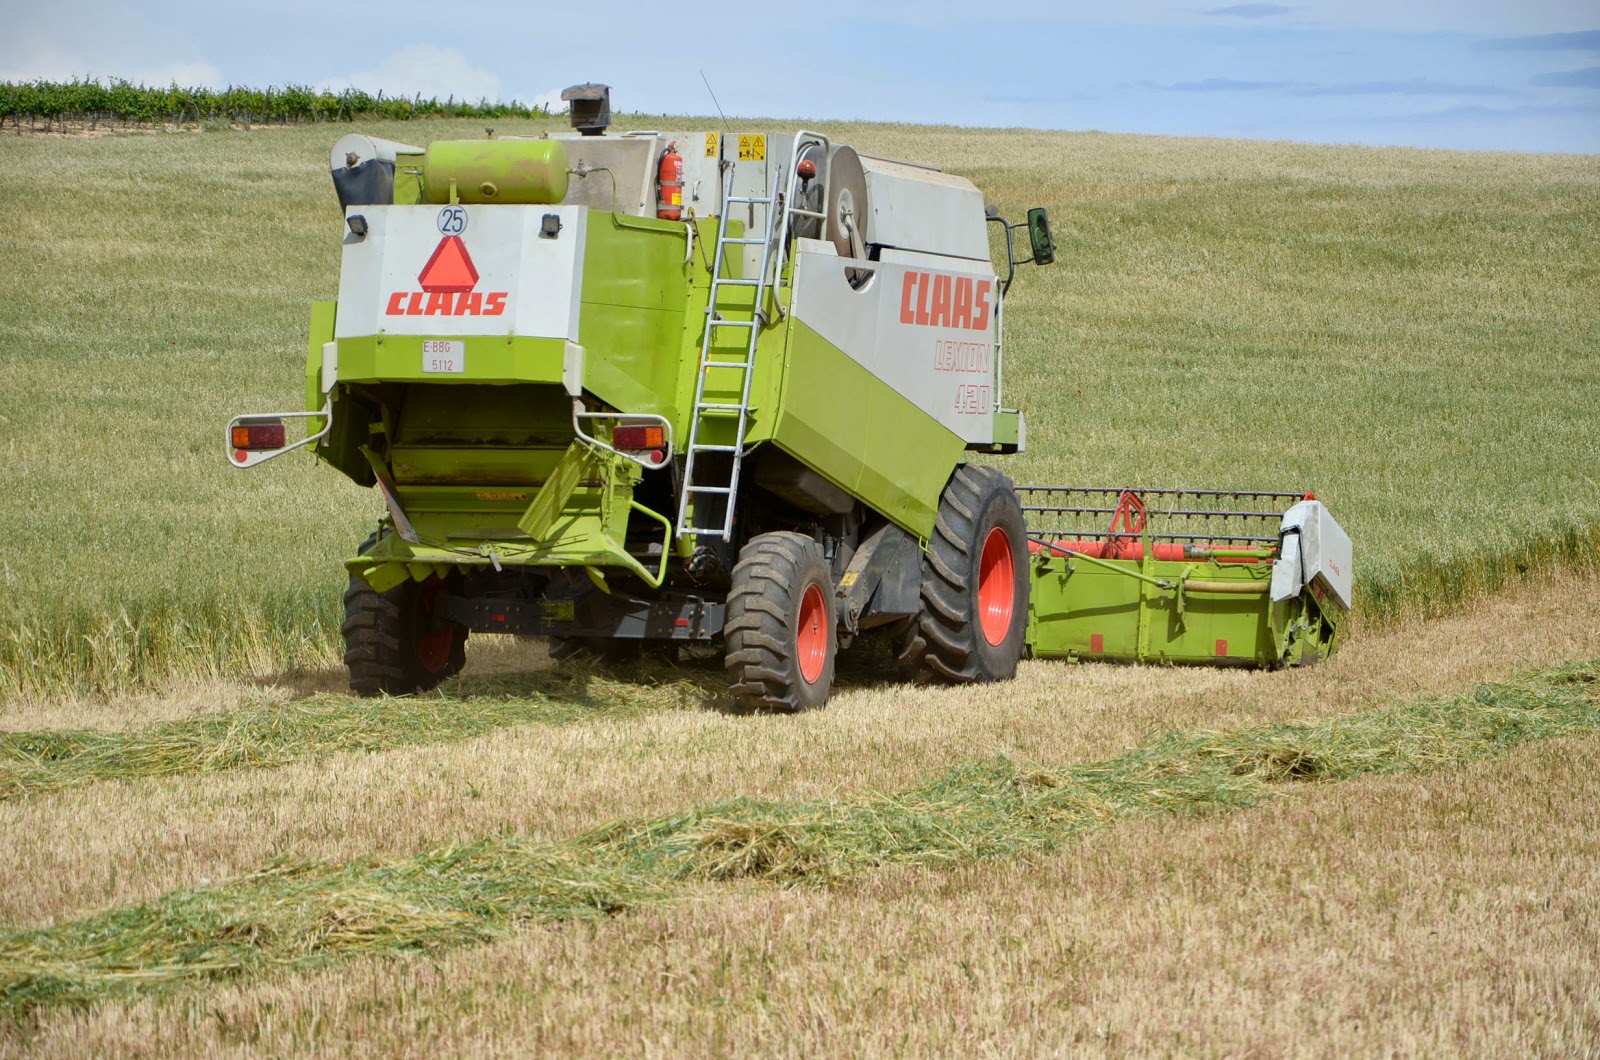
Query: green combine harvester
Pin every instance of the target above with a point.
(664, 388)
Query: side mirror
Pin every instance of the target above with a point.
(1044, 248)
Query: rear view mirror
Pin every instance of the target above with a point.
(1044, 248)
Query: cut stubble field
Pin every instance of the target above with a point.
(1167, 907)
(1409, 333)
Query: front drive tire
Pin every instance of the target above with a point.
(393, 643)
(780, 634)
(974, 611)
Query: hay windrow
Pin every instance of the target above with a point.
(300, 915)
(295, 915)
(274, 732)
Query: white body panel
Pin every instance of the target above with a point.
(702, 157)
(1321, 552)
(632, 161)
(919, 208)
(364, 148)
(923, 325)
(756, 159)
(527, 284)
(623, 177)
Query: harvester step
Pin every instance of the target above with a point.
(719, 406)
(708, 489)
(742, 365)
(733, 323)
(739, 283)
(740, 198)
(716, 448)
(744, 242)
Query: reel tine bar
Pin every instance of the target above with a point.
(1100, 513)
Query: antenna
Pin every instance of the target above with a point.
(714, 102)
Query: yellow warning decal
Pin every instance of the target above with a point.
(711, 145)
(849, 579)
(752, 148)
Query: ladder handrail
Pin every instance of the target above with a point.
(803, 139)
(769, 275)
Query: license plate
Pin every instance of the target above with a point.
(440, 355)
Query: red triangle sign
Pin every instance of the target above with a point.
(450, 269)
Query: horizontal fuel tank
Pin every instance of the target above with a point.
(516, 172)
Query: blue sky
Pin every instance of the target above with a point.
(1474, 74)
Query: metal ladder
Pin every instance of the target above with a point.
(767, 276)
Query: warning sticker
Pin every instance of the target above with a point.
(752, 148)
(711, 145)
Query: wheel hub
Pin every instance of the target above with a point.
(997, 586)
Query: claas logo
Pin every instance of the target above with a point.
(448, 283)
(942, 301)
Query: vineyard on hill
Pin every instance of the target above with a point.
(89, 102)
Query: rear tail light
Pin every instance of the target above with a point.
(639, 437)
(267, 434)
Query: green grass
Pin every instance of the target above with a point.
(298, 915)
(1410, 333)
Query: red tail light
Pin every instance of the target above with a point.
(639, 437)
(252, 436)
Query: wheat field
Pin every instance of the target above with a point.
(1409, 333)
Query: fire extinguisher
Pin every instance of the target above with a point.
(669, 202)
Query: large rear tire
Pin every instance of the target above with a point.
(974, 611)
(781, 640)
(393, 642)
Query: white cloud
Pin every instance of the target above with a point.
(54, 64)
(107, 44)
(41, 60)
(440, 72)
(186, 74)
(550, 99)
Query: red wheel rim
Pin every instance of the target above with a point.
(997, 586)
(433, 649)
(811, 639)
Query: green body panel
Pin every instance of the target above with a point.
(408, 187)
(861, 434)
(322, 318)
(1007, 429)
(636, 301)
(351, 416)
(579, 517)
(726, 385)
(419, 466)
(496, 438)
(1112, 609)
(489, 359)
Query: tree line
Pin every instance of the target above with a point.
(91, 101)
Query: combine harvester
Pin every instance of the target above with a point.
(664, 388)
